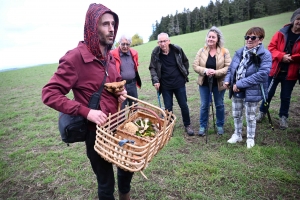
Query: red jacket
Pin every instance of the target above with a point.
(80, 71)
(276, 47)
(134, 54)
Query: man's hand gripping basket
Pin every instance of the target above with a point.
(133, 150)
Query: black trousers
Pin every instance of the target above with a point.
(104, 172)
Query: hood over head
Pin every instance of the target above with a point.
(295, 15)
(91, 38)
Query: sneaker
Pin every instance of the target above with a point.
(235, 138)
(283, 123)
(201, 131)
(260, 117)
(250, 143)
(220, 130)
(189, 130)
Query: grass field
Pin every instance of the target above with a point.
(36, 164)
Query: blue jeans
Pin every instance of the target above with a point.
(180, 94)
(131, 91)
(104, 172)
(205, 105)
(287, 87)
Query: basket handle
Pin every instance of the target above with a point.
(145, 103)
(148, 110)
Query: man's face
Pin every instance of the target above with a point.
(163, 43)
(124, 45)
(297, 23)
(106, 26)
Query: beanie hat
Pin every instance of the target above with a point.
(295, 14)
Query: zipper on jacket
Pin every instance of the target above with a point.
(104, 65)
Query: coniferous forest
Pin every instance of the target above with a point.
(220, 13)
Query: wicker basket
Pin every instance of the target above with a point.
(135, 156)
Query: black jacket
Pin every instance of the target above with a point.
(155, 63)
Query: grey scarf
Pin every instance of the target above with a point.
(241, 70)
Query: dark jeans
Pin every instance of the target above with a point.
(205, 105)
(131, 91)
(287, 87)
(180, 95)
(104, 172)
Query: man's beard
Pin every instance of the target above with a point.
(104, 41)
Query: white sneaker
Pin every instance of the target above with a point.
(250, 143)
(235, 138)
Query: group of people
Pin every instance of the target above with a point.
(245, 76)
(83, 68)
(252, 75)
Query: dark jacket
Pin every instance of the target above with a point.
(254, 75)
(135, 58)
(276, 47)
(80, 71)
(155, 63)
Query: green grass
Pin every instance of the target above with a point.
(36, 164)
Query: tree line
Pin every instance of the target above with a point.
(220, 13)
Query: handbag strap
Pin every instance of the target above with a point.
(104, 80)
(102, 84)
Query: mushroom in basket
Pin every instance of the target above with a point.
(131, 127)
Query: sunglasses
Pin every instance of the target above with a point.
(125, 44)
(252, 37)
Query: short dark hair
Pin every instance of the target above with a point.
(260, 32)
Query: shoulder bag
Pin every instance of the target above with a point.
(75, 128)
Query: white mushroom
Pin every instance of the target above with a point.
(146, 120)
(139, 119)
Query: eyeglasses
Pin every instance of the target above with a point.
(162, 41)
(252, 37)
(125, 44)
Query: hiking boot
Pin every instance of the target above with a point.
(235, 138)
(124, 196)
(260, 117)
(201, 131)
(250, 143)
(220, 130)
(283, 123)
(189, 130)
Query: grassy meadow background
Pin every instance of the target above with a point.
(36, 164)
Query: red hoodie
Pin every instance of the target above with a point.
(276, 47)
(80, 71)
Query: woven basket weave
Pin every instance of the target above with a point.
(133, 157)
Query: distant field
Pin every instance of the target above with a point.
(36, 164)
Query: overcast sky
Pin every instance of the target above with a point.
(34, 32)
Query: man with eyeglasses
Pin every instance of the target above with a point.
(169, 69)
(127, 66)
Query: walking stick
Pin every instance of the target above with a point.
(266, 105)
(158, 98)
(263, 93)
(159, 103)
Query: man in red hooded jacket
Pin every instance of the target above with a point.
(82, 71)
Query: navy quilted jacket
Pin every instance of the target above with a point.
(255, 74)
